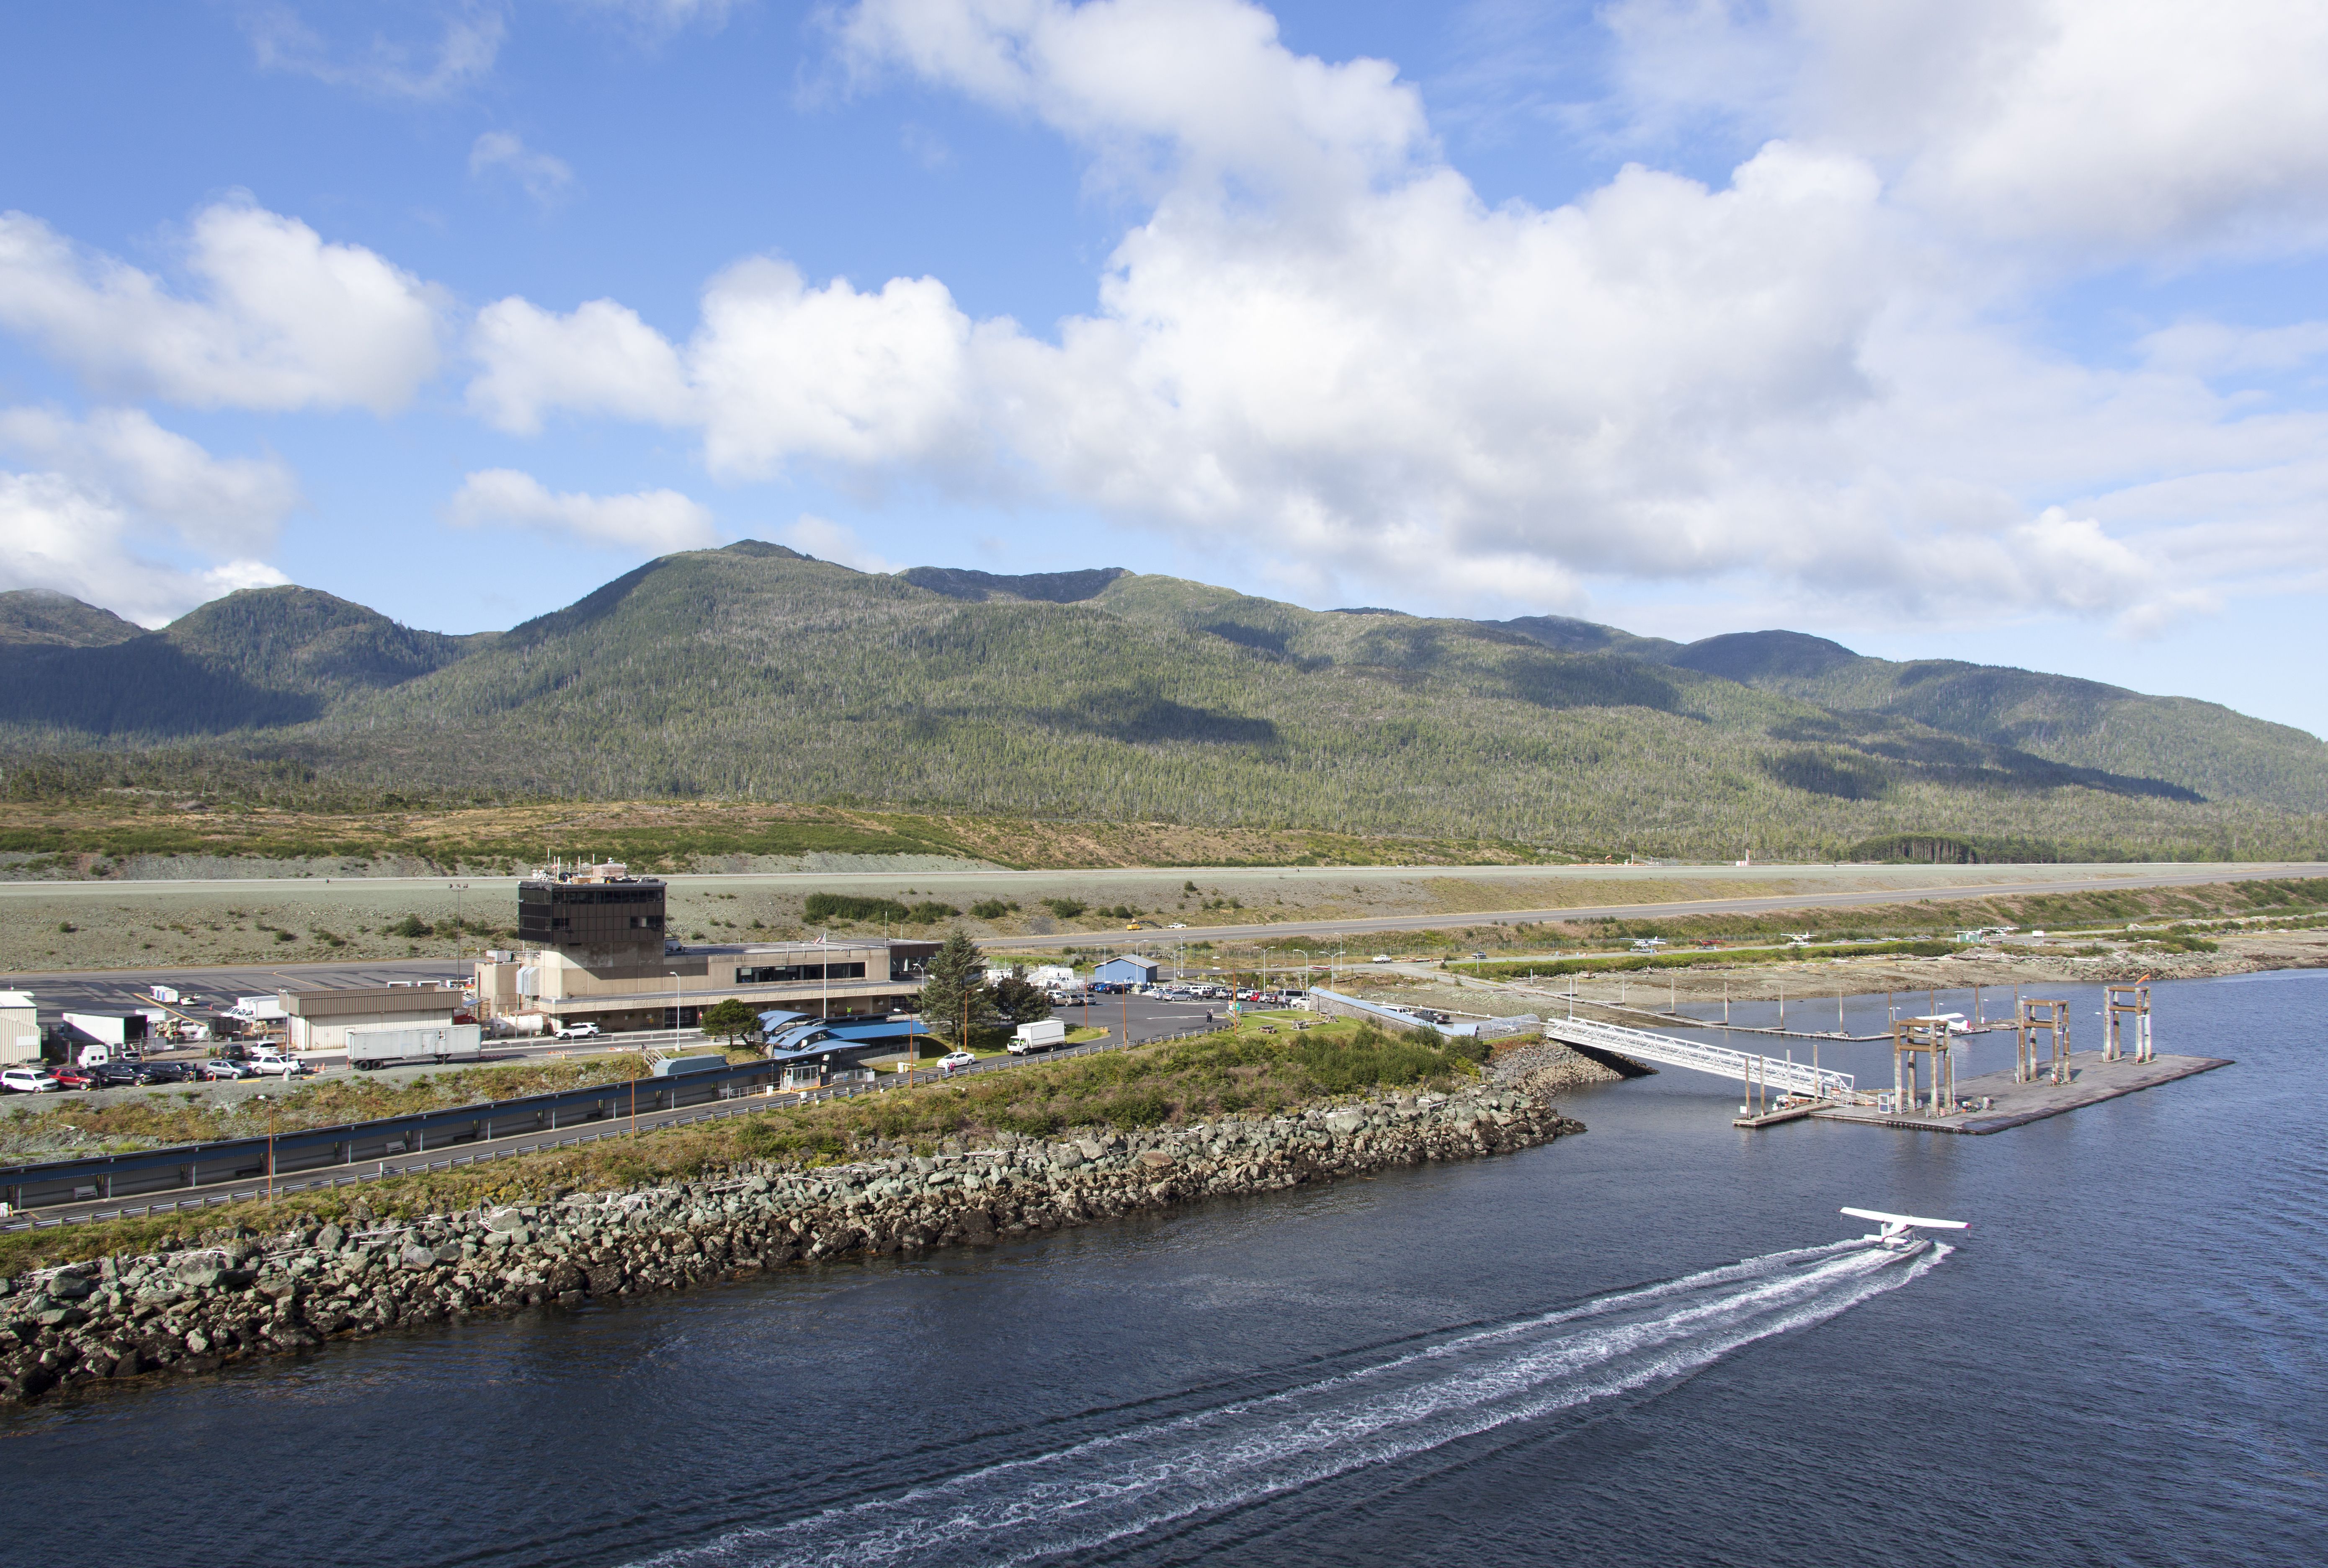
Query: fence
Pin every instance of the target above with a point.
(67, 1181)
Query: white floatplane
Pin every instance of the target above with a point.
(1900, 1229)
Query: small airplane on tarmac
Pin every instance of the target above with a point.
(1900, 1229)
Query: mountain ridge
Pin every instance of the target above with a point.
(755, 672)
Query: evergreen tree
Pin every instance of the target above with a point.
(954, 992)
(1019, 1001)
(728, 1020)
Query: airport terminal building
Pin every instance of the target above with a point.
(598, 952)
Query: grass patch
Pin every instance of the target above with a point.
(1242, 1073)
(1714, 957)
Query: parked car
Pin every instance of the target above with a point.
(276, 1062)
(163, 1073)
(74, 1077)
(1381, 958)
(584, 1031)
(221, 1070)
(28, 1081)
(115, 1074)
(953, 1061)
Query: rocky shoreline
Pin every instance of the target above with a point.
(246, 1295)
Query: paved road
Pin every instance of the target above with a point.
(2020, 887)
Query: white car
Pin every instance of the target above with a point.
(1381, 958)
(953, 1061)
(272, 1063)
(28, 1081)
(585, 1031)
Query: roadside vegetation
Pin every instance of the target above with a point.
(1240, 1072)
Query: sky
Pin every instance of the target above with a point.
(1990, 329)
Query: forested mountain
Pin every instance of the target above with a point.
(2201, 746)
(39, 618)
(754, 671)
(259, 659)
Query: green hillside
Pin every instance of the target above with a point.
(2201, 746)
(262, 658)
(40, 617)
(754, 673)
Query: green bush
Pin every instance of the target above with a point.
(823, 907)
(412, 926)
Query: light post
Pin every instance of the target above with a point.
(458, 888)
(674, 1008)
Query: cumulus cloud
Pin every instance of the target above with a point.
(833, 541)
(278, 318)
(2085, 125)
(542, 176)
(227, 506)
(125, 512)
(777, 369)
(655, 519)
(1320, 337)
(462, 53)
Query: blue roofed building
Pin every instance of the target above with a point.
(1127, 971)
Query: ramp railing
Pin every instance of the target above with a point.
(1698, 1057)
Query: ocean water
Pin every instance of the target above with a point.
(1656, 1343)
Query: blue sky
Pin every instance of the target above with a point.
(1990, 329)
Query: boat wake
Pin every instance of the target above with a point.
(1166, 1473)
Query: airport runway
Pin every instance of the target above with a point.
(76, 991)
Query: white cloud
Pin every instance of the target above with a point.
(2104, 129)
(280, 319)
(601, 358)
(1321, 340)
(833, 541)
(462, 55)
(656, 519)
(777, 369)
(1203, 84)
(65, 536)
(227, 506)
(544, 177)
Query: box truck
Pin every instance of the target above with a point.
(389, 1045)
(1038, 1037)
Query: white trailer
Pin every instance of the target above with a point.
(163, 993)
(110, 1028)
(259, 1009)
(387, 1045)
(1038, 1037)
(1052, 976)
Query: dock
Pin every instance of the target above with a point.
(2092, 1080)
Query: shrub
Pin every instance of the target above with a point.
(1065, 909)
(411, 925)
(823, 907)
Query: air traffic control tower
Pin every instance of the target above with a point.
(601, 917)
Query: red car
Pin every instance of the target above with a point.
(74, 1078)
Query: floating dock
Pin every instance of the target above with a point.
(2092, 1080)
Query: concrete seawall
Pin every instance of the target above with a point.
(122, 1318)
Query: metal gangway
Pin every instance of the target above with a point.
(1746, 1066)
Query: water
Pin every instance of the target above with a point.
(1654, 1344)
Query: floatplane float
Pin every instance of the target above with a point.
(1900, 1230)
